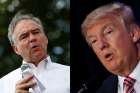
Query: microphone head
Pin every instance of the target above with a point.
(26, 70)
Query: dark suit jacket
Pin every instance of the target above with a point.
(110, 85)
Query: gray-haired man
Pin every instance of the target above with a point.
(39, 74)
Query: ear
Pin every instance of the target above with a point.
(135, 32)
(15, 49)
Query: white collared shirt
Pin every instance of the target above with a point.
(55, 77)
(136, 75)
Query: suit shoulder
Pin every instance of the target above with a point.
(111, 78)
(109, 85)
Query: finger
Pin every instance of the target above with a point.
(27, 85)
(22, 91)
(24, 80)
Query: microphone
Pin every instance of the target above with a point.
(26, 71)
(89, 85)
(84, 88)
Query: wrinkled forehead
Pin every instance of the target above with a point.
(26, 23)
(102, 21)
(24, 26)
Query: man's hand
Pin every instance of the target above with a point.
(23, 85)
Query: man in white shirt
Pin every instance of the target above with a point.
(38, 74)
(114, 35)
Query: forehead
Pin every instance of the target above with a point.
(26, 24)
(103, 22)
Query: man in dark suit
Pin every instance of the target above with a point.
(113, 34)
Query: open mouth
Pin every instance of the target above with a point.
(109, 56)
(35, 46)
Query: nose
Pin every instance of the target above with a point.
(102, 44)
(32, 37)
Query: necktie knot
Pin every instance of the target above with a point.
(129, 84)
(129, 81)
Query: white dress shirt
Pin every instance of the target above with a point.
(55, 77)
(136, 75)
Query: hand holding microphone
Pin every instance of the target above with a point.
(23, 85)
(29, 81)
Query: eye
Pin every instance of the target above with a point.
(108, 30)
(92, 41)
(23, 36)
(37, 31)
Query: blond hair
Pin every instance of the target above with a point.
(124, 12)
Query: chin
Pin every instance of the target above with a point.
(37, 59)
(38, 53)
(114, 70)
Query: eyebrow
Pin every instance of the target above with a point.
(34, 29)
(28, 30)
(102, 29)
(105, 26)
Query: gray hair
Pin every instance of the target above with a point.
(121, 10)
(18, 17)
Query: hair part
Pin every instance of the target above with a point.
(17, 18)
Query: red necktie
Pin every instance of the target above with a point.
(129, 85)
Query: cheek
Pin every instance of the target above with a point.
(122, 46)
(18, 50)
(22, 46)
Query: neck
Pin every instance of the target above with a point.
(132, 63)
(138, 49)
(36, 62)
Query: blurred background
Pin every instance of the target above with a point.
(54, 15)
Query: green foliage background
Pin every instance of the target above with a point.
(55, 17)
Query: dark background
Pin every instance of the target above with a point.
(85, 66)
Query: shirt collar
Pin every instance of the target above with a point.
(135, 74)
(42, 64)
(121, 80)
